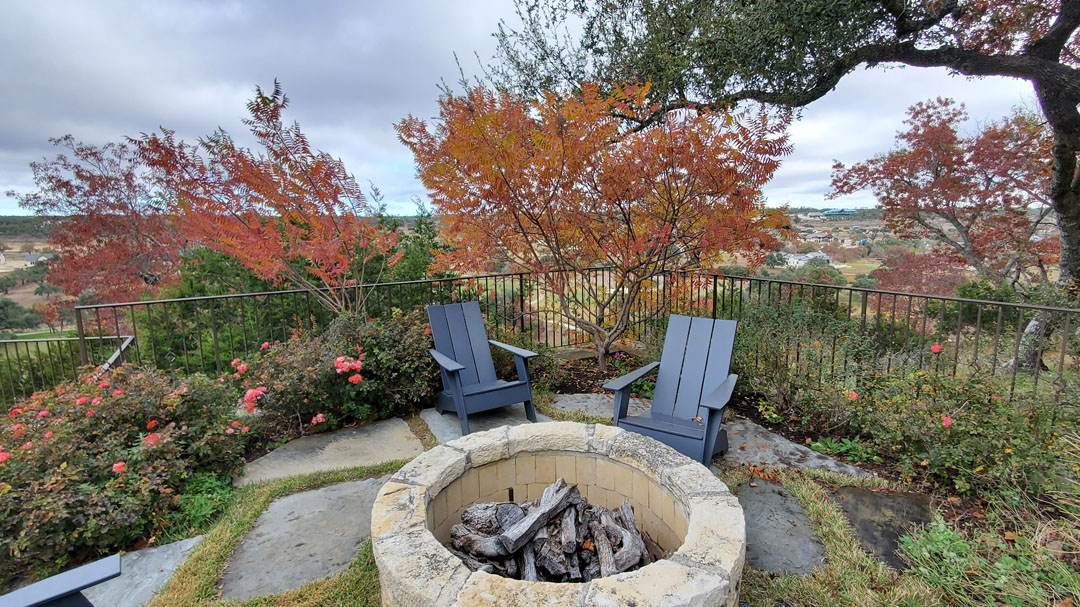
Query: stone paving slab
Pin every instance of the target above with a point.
(754, 445)
(142, 574)
(301, 538)
(366, 445)
(602, 405)
(779, 538)
(879, 519)
(446, 427)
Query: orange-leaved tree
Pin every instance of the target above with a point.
(561, 187)
(292, 214)
(112, 229)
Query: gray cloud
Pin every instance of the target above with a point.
(102, 71)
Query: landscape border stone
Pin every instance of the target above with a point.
(416, 569)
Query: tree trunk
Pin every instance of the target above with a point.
(1065, 197)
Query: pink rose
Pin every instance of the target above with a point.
(27, 444)
(42, 414)
(241, 368)
(117, 392)
(118, 467)
(152, 439)
(150, 425)
(235, 424)
(235, 361)
(90, 413)
(946, 421)
(49, 434)
(4, 456)
(14, 412)
(82, 400)
(265, 345)
(935, 348)
(229, 431)
(854, 395)
(355, 379)
(244, 429)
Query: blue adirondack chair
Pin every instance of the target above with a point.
(692, 388)
(468, 374)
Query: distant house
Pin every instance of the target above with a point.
(797, 261)
(818, 236)
(839, 213)
(813, 215)
(35, 258)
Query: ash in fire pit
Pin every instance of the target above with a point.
(558, 538)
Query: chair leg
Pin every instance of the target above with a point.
(464, 419)
(530, 411)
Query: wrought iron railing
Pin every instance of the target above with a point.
(895, 330)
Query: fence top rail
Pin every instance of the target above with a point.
(706, 272)
(55, 339)
(149, 302)
(986, 302)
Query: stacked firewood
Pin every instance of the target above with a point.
(559, 538)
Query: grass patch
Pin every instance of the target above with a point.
(195, 581)
(420, 428)
(1015, 559)
(851, 578)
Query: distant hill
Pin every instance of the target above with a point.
(30, 226)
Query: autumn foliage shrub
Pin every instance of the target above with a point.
(92, 466)
(959, 431)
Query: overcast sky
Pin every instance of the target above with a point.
(105, 70)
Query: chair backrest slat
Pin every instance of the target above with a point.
(671, 361)
(458, 331)
(688, 395)
(694, 362)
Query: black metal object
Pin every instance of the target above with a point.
(199, 334)
(65, 589)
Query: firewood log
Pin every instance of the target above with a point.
(528, 563)
(603, 549)
(626, 512)
(515, 537)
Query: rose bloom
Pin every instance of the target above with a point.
(14, 412)
(42, 414)
(118, 467)
(355, 379)
(935, 348)
(152, 439)
(854, 395)
(244, 429)
(49, 434)
(241, 368)
(117, 392)
(946, 421)
(150, 425)
(90, 413)
(229, 431)
(82, 400)
(4, 456)
(265, 345)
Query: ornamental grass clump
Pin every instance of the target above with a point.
(94, 466)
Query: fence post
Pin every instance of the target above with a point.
(83, 359)
(521, 300)
(714, 296)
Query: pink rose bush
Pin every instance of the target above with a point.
(117, 450)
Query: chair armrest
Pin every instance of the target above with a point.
(53, 590)
(513, 349)
(445, 361)
(631, 377)
(719, 397)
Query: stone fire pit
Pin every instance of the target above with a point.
(678, 502)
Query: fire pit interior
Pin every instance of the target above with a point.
(558, 537)
(450, 527)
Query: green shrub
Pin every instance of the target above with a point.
(955, 430)
(545, 372)
(398, 373)
(794, 354)
(302, 379)
(88, 468)
(204, 496)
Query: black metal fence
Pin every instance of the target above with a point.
(816, 326)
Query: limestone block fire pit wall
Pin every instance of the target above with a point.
(678, 502)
